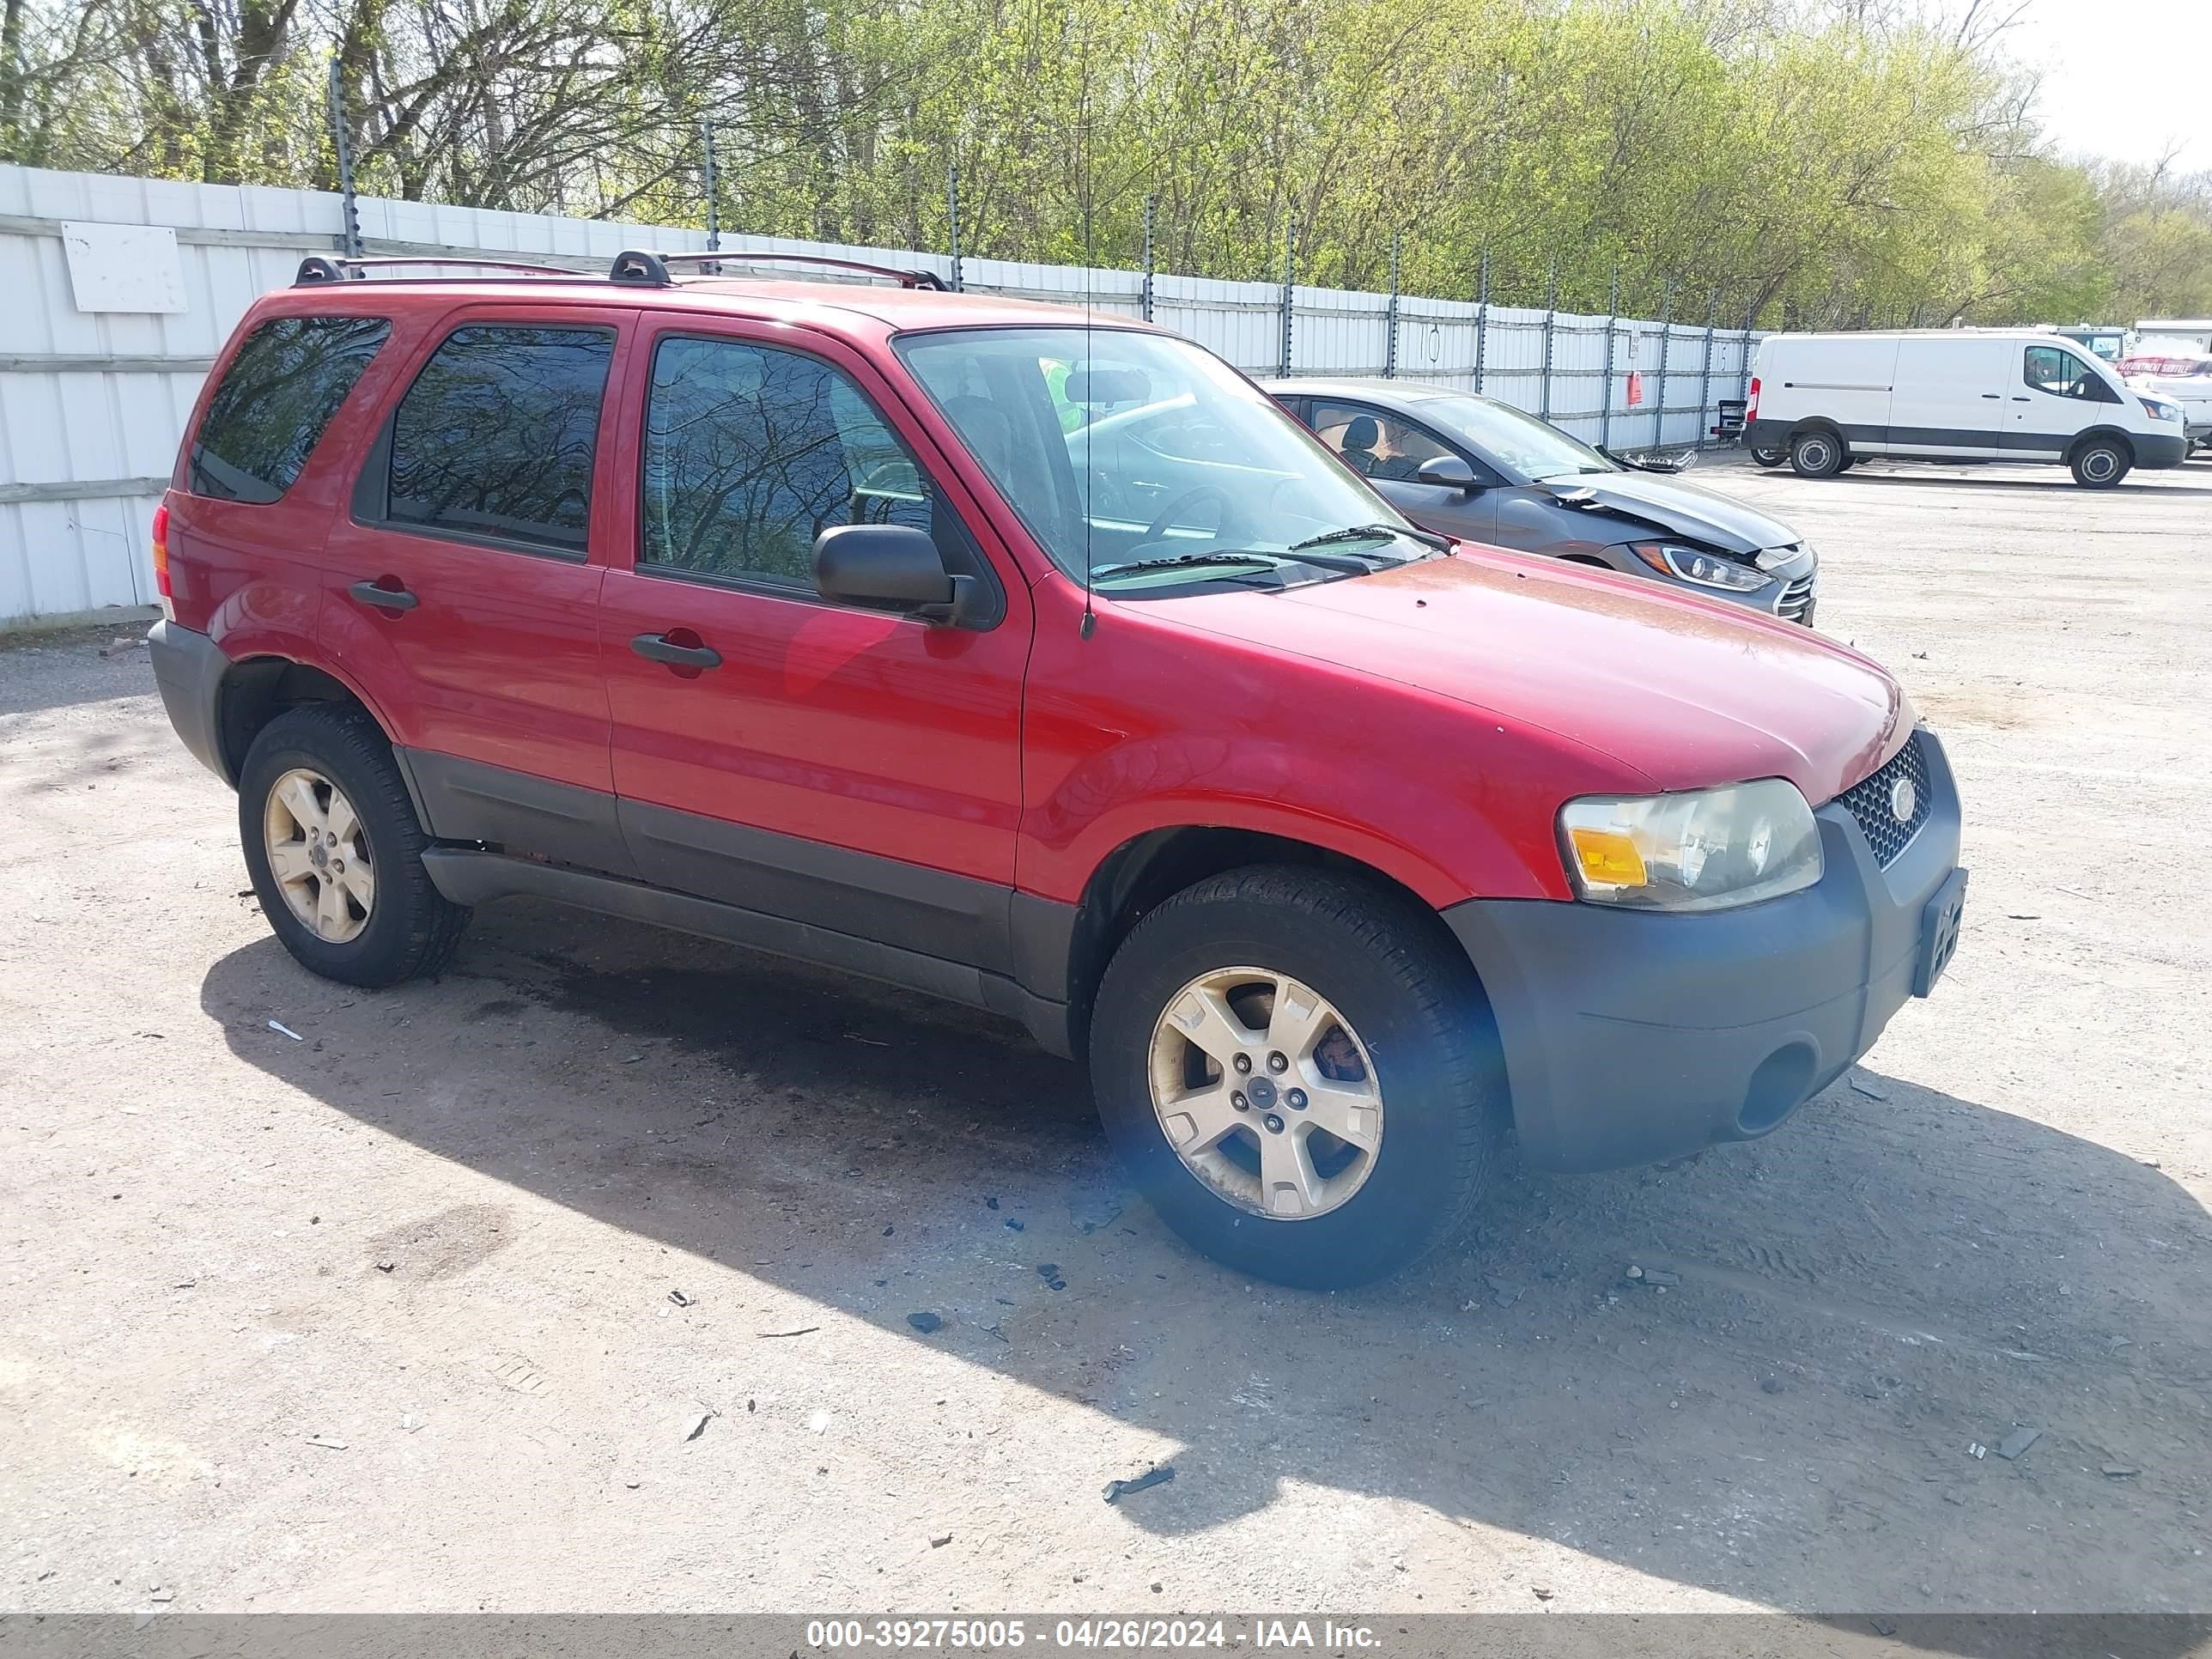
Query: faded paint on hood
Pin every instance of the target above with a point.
(1691, 692)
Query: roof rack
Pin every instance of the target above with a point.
(316, 269)
(638, 267)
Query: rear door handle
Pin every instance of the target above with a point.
(1992, 396)
(659, 648)
(384, 598)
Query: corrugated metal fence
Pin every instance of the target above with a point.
(93, 403)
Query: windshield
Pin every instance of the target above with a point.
(1151, 461)
(1521, 443)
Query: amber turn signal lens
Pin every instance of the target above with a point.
(1608, 858)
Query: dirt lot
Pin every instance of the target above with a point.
(388, 1318)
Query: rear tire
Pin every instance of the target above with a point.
(2101, 463)
(319, 788)
(1818, 454)
(1242, 961)
(1769, 457)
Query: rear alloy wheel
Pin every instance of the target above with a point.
(1299, 1073)
(2100, 463)
(1816, 454)
(334, 850)
(319, 853)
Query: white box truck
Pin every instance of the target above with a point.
(1826, 400)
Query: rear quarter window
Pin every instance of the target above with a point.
(280, 392)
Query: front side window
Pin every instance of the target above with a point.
(2060, 373)
(1375, 445)
(751, 453)
(1148, 462)
(497, 438)
(279, 392)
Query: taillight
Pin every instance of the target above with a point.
(162, 558)
(1751, 404)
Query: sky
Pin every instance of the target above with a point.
(2122, 77)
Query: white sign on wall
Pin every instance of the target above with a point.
(123, 267)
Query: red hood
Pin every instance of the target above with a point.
(1687, 691)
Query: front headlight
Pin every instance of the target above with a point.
(1704, 850)
(2159, 409)
(1705, 569)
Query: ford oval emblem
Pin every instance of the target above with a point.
(1902, 798)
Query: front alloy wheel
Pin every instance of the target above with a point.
(1265, 1093)
(1247, 1102)
(319, 853)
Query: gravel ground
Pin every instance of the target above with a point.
(417, 1311)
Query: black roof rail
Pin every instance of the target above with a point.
(317, 268)
(642, 269)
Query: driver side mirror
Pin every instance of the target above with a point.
(889, 567)
(1448, 472)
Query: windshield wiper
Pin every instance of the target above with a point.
(1169, 560)
(1368, 533)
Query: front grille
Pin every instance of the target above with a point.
(1869, 801)
(1795, 601)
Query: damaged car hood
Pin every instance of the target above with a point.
(1667, 504)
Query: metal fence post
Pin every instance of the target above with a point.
(1705, 374)
(349, 211)
(1390, 343)
(1611, 322)
(1666, 346)
(1151, 207)
(953, 214)
(1750, 319)
(1481, 320)
(1551, 316)
(1290, 289)
(713, 211)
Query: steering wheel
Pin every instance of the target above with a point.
(1165, 518)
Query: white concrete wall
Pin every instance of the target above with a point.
(92, 405)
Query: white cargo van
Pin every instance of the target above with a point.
(1826, 400)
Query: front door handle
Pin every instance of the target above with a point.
(394, 597)
(658, 647)
(2023, 400)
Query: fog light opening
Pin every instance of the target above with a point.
(1783, 1080)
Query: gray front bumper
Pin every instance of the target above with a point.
(1632, 1036)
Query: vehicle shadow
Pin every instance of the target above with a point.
(65, 669)
(1913, 478)
(1780, 1404)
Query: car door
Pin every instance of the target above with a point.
(1388, 449)
(1949, 396)
(461, 588)
(2054, 397)
(849, 770)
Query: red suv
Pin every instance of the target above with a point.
(1039, 662)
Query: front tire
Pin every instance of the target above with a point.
(1817, 454)
(1298, 1073)
(2101, 463)
(335, 851)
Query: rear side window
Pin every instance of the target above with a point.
(496, 439)
(751, 452)
(280, 392)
